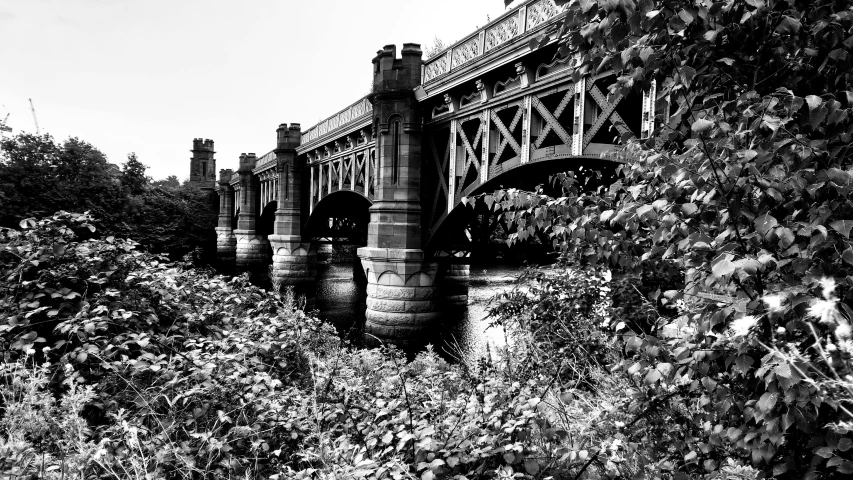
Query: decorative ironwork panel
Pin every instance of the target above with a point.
(360, 108)
(437, 67)
(502, 32)
(465, 52)
(540, 12)
(346, 116)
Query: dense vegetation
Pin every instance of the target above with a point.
(119, 364)
(39, 177)
(745, 190)
(697, 326)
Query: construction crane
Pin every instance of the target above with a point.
(35, 119)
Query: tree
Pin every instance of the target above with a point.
(745, 186)
(133, 178)
(172, 220)
(40, 176)
(169, 182)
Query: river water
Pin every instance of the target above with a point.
(342, 302)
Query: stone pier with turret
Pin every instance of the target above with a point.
(390, 175)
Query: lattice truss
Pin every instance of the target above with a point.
(563, 121)
(354, 171)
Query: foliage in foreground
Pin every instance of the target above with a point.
(136, 368)
(745, 189)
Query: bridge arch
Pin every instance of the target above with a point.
(266, 220)
(342, 214)
(525, 176)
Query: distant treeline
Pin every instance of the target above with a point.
(40, 176)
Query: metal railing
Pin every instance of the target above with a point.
(512, 24)
(353, 113)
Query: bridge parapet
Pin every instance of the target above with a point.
(524, 19)
(265, 162)
(358, 112)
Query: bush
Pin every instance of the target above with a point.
(168, 371)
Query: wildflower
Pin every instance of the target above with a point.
(774, 302)
(740, 326)
(822, 310)
(828, 287)
(843, 330)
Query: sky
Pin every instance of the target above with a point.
(148, 76)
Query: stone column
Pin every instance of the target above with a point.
(252, 251)
(401, 305)
(226, 241)
(294, 261)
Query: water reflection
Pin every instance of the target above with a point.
(342, 302)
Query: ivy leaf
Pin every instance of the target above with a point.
(689, 209)
(531, 466)
(788, 25)
(743, 363)
(843, 227)
(767, 401)
(764, 223)
(653, 376)
(813, 101)
(723, 266)
(772, 122)
(687, 73)
(783, 370)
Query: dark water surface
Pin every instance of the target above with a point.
(342, 301)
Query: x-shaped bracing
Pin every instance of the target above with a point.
(359, 167)
(608, 110)
(442, 181)
(551, 122)
(506, 133)
(469, 148)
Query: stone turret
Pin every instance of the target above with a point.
(203, 164)
(401, 304)
(294, 260)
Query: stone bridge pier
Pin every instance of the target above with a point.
(294, 259)
(401, 296)
(397, 166)
(226, 241)
(252, 248)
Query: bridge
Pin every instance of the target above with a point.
(388, 172)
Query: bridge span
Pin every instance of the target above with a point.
(387, 172)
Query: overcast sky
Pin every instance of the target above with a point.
(148, 76)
